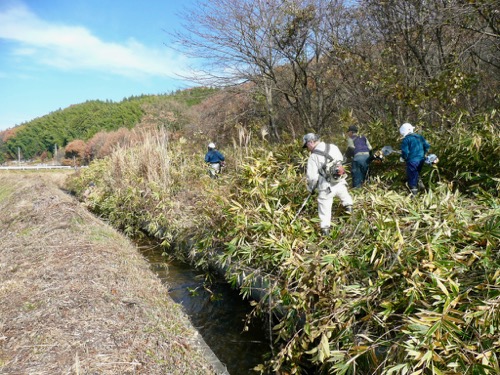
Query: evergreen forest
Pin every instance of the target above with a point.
(79, 124)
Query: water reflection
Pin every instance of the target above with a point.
(219, 320)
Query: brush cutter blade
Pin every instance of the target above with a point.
(387, 150)
(431, 159)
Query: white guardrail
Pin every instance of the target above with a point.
(37, 167)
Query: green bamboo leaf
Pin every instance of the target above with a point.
(441, 286)
(323, 348)
(401, 368)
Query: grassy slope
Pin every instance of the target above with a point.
(76, 295)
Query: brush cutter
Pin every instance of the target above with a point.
(305, 202)
(429, 159)
(387, 150)
(301, 207)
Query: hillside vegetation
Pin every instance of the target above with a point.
(403, 285)
(91, 124)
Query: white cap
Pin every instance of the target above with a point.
(211, 145)
(406, 129)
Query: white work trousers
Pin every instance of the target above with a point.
(325, 201)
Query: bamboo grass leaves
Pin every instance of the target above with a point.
(404, 286)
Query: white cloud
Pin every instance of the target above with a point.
(74, 47)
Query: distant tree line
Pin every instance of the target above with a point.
(79, 121)
(310, 65)
(90, 130)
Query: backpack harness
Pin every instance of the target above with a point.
(331, 170)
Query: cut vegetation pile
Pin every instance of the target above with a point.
(77, 297)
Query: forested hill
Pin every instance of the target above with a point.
(83, 121)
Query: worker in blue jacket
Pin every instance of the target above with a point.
(413, 150)
(215, 160)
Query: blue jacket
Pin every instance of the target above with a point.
(213, 156)
(414, 147)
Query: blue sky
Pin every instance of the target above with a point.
(54, 53)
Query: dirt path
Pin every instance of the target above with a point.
(76, 296)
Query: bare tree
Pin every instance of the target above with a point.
(320, 59)
(482, 19)
(436, 54)
(233, 39)
(310, 38)
(289, 49)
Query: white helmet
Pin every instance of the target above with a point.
(406, 129)
(211, 145)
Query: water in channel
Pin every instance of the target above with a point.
(219, 316)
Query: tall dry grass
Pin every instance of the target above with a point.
(155, 185)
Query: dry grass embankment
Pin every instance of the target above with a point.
(77, 298)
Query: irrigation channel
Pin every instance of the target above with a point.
(218, 315)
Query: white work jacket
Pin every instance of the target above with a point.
(315, 163)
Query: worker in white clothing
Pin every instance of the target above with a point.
(326, 174)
